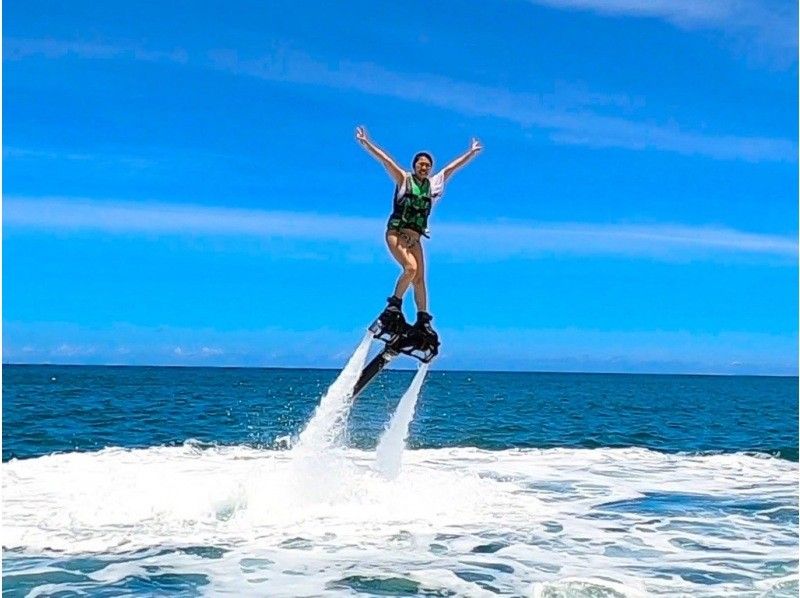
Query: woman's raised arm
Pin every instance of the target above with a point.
(397, 173)
(473, 150)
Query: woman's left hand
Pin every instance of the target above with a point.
(476, 146)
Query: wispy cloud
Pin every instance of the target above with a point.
(475, 241)
(19, 48)
(96, 159)
(663, 241)
(66, 214)
(526, 349)
(69, 350)
(569, 115)
(771, 23)
(573, 126)
(194, 352)
(657, 351)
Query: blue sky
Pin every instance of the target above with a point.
(181, 184)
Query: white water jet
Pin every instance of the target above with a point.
(327, 426)
(393, 441)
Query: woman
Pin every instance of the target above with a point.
(414, 196)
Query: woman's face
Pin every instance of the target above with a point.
(422, 167)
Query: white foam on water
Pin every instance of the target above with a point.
(594, 587)
(327, 426)
(538, 522)
(389, 453)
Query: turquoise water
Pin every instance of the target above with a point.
(184, 481)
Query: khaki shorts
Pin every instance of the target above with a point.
(408, 238)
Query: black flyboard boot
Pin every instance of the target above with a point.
(390, 327)
(423, 327)
(391, 323)
(421, 340)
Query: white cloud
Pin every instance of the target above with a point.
(571, 126)
(667, 241)
(69, 350)
(586, 349)
(202, 352)
(769, 23)
(96, 159)
(566, 114)
(466, 347)
(19, 48)
(475, 241)
(78, 214)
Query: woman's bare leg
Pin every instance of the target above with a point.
(420, 288)
(400, 251)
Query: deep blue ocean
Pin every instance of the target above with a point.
(188, 481)
(50, 409)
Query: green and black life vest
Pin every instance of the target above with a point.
(412, 209)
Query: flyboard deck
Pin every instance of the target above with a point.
(408, 341)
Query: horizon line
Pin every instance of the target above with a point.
(457, 370)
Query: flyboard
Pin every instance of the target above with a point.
(401, 338)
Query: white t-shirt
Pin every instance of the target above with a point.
(437, 186)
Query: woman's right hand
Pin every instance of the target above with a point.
(381, 156)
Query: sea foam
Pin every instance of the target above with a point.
(547, 522)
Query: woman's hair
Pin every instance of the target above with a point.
(419, 155)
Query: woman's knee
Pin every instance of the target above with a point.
(411, 272)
